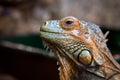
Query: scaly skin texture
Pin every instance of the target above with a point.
(81, 50)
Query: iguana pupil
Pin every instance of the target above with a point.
(69, 22)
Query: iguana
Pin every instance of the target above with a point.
(81, 50)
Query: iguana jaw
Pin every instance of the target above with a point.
(68, 66)
(67, 69)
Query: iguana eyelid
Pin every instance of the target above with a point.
(69, 23)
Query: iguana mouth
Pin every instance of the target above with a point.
(51, 32)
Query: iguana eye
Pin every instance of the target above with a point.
(85, 57)
(69, 23)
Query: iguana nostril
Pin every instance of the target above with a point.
(45, 23)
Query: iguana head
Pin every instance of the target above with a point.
(80, 48)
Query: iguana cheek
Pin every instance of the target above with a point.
(75, 32)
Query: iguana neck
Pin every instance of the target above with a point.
(68, 70)
(71, 72)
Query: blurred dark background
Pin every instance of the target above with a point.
(22, 55)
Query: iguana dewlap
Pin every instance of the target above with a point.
(80, 48)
